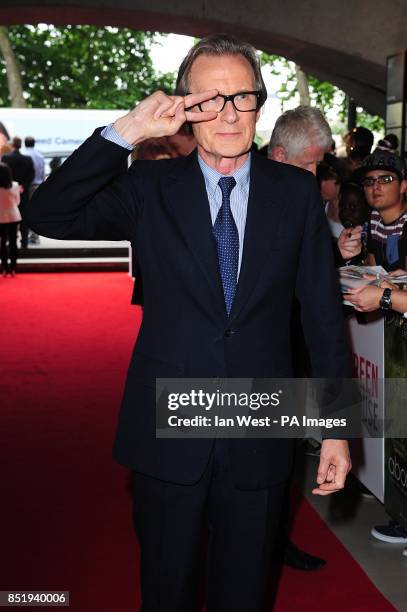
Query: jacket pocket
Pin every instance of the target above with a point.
(147, 368)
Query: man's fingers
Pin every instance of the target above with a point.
(341, 471)
(204, 116)
(170, 106)
(196, 98)
(167, 108)
(322, 470)
(356, 290)
(326, 489)
(330, 477)
(178, 118)
(335, 481)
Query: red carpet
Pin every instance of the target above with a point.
(65, 517)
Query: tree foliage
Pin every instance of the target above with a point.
(326, 96)
(83, 67)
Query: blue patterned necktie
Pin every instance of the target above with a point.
(227, 241)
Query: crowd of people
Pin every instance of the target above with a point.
(349, 204)
(21, 173)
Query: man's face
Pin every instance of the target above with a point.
(330, 190)
(308, 158)
(232, 133)
(384, 197)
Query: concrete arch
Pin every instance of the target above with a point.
(346, 44)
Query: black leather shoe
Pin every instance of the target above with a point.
(300, 560)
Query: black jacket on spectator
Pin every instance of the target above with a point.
(22, 170)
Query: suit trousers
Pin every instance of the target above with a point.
(177, 524)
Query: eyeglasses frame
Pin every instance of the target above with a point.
(376, 180)
(231, 98)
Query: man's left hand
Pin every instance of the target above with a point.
(334, 466)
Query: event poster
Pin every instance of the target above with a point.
(367, 349)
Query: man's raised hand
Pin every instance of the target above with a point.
(162, 115)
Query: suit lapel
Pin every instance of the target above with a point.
(186, 199)
(262, 222)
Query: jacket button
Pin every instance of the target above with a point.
(229, 332)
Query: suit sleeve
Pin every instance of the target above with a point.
(90, 197)
(317, 290)
(322, 320)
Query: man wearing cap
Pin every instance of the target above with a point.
(385, 188)
(383, 179)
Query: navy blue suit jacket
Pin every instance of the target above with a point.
(162, 207)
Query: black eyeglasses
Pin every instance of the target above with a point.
(243, 101)
(384, 179)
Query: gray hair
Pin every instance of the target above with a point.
(217, 45)
(297, 129)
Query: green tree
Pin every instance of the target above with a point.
(323, 94)
(83, 67)
(13, 71)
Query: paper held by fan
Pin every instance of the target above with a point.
(352, 277)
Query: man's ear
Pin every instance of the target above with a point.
(403, 186)
(278, 154)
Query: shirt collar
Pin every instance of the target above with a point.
(212, 176)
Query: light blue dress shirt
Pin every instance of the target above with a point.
(238, 198)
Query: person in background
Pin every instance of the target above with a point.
(5, 149)
(370, 297)
(55, 163)
(300, 137)
(353, 212)
(4, 135)
(331, 176)
(389, 143)
(359, 143)
(22, 171)
(39, 176)
(384, 184)
(9, 219)
(153, 148)
(353, 206)
(183, 142)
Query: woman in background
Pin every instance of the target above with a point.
(331, 176)
(9, 219)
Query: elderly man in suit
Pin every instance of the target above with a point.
(225, 239)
